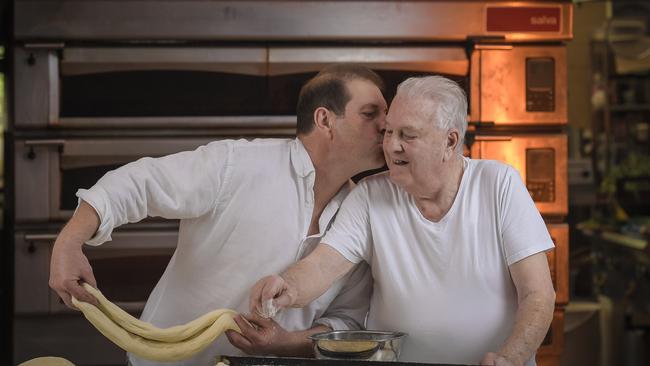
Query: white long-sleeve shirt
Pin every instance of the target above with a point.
(245, 209)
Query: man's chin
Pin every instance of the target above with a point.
(396, 178)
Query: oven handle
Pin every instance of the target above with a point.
(492, 138)
(32, 143)
(39, 238)
(240, 60)
(132, 240)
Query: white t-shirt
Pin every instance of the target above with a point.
(446, 284)
(245, 209)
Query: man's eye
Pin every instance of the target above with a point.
(408, 137)
(388, 132)
(369, 115)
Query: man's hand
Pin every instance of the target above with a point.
(270, 288)
(493, 359)
(69, 266)
(259, 336)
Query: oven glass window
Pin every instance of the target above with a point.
(540, 174)
(128, 277)
(160, 93)
(74, 178)
(156, 93)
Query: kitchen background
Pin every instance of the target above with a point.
(588, 146)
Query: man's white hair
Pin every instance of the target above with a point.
(438, 99)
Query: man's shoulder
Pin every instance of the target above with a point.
(376, 180)
(258, 150)
(492, 170)
(378, 185)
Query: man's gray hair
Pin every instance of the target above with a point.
(445, 102)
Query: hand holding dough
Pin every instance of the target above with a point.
(145, 340)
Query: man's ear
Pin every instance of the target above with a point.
(323, 120)
(453, 139)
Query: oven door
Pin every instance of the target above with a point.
(558, 261)
(519, 85)
(295, 65)
(126, 268)
(541, 161)
(551, 348)
(49, 172)
(250, 88)
(132, 87)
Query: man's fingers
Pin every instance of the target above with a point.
(282, 301)
(255, 297)
(258, 320)
(88, 276)
(239, 341)
(489, 359)
(272, 288)
(266, 288)
(74, 288)
(254, 335)
(67, 300)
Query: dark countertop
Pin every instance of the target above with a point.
(280, 361)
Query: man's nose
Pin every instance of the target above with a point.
(392, 143)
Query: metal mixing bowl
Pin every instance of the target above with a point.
(369, 345)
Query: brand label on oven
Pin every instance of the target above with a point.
(523, 19)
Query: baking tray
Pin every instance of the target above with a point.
(282, 361)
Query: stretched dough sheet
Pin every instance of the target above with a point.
(147, 341)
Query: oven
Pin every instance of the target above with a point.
(519, 85)
(51, 170)
(541, 160)
(257, 87)
(252, 89)
(100, 83)
(558, 261)
(126, 269)
(553, 344)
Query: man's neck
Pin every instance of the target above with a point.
(331, 175)
(435, 205)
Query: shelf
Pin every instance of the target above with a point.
(629, 107)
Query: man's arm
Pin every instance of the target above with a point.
(347, 311)
(349, 308)
(261, 336)
(68, 264)
(302, 282)
(536, 301)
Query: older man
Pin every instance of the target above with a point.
(247, 209)
(456, 245)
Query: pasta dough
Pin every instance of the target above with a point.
(145, 340)
(47, 361)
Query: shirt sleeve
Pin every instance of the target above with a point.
(349, 309)
(351, 234)
(524, 232)
(177, 186)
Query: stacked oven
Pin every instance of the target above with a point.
(100, 83)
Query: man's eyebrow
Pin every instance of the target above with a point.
(370, 105)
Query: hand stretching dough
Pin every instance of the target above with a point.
(145, 340)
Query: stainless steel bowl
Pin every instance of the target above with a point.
(369, 345)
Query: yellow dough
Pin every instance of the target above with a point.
(47, 361)
(346, 346)
(145, 340)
